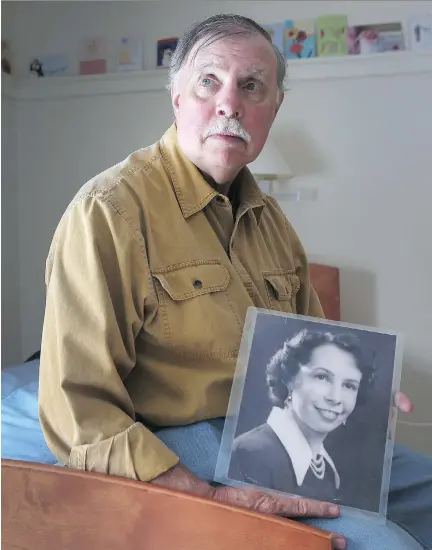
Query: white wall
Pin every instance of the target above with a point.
(10, 302)
(365, 144)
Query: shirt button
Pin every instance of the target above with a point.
(197, 284)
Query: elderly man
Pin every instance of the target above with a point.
(149, 276)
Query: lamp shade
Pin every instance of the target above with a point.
(274, 175)
(271, 162)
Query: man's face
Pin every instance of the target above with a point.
(225, 100)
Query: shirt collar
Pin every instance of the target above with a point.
(296, 445)
(192, 191)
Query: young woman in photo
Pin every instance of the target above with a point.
(315, 381)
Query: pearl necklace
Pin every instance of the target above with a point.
(318, 466)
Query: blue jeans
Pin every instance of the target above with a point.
(410, 500)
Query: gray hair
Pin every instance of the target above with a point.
(214, 28)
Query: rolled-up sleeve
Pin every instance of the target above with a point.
(97, 284)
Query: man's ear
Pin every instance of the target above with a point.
(175, 98)
(279, 103)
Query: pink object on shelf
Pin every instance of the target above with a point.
(94, 66)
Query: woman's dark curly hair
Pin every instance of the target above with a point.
(297, 351)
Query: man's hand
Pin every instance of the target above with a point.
(290, 507)
(403, 403)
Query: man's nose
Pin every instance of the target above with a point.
(229, 104)
(228, 113)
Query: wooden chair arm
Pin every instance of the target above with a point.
(54, 508)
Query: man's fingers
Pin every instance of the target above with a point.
(403, 403)
(300, 508)
(306, 508)
(289, 507)
(339, 543)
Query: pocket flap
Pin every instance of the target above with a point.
(279, 284)
(192, 279)
(284, 285)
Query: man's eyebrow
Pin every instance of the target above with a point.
(256, 70)
(252, 70)
(209, 64)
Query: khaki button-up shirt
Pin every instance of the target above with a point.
(149, 277)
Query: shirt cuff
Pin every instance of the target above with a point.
(135, 453)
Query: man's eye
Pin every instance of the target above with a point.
(206, 82)
(251, 87)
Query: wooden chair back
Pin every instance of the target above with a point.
(57, 508)
(325, 280)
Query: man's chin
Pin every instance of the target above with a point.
(226, 142)
(227, 155)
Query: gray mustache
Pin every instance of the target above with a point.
(229, 126)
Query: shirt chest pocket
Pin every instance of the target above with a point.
(282, 286)
(196, 315)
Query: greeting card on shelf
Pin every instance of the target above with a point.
(165, 49)
(130, 54)
(300, 39)
(49, 65)
(376, 38)
(276, 31)
(332, 35)
(420, 32)
(93, 57)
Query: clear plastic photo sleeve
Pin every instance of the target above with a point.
(312, 411)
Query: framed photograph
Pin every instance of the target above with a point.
(311, 411)
(165, 49)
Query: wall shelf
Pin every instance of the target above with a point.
(320, 68)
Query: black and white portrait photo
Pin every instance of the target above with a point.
(310, 410)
